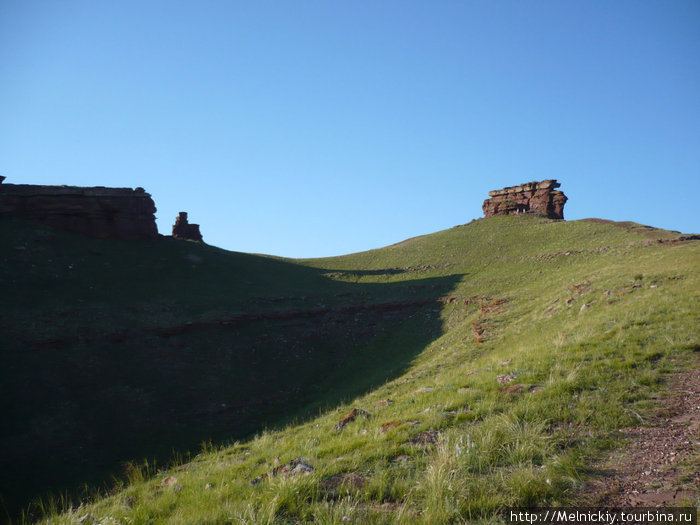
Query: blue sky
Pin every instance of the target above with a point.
(319, 128)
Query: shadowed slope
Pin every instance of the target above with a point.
(118, 351)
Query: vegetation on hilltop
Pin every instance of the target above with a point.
(494, 359)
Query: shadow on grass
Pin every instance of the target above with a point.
(120, 352)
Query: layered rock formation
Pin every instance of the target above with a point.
(184, 230)
(532, 197)
(110, 213)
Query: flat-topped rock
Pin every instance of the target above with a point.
(531, 197)
(528, 186)
(110, 213)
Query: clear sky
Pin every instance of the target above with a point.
(313, 128)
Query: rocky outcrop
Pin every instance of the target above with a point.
(295, 466)
(110, 213)
(184, 230)
(532, 197)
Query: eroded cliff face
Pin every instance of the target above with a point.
(109, 213)
(531, 197)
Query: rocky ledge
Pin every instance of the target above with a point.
(110, 213)
(532, 197)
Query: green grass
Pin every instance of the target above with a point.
(589, 317)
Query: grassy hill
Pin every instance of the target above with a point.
(490, 364)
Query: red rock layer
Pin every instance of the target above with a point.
(531, 197)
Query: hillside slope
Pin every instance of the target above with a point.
(494, 360)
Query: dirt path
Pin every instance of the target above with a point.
(660, 464)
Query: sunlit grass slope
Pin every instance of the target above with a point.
(529, 344)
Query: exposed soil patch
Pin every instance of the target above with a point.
(350, 417)
(658, 466)
(388, 426)
(427, 437)
(347, 480)
(487, 308)
(512, 389)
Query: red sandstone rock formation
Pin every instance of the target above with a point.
(531, 197)
(184, 230)
(111, 213)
